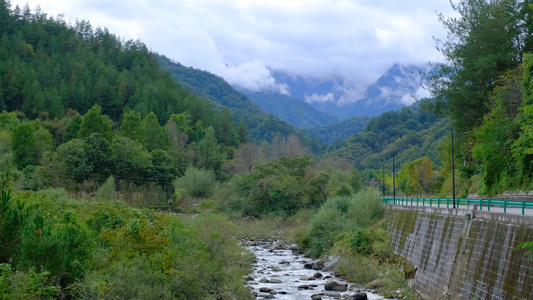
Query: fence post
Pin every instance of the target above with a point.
(523, 206)
(488, 206)
(504, 206)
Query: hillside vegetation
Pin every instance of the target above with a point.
(296, 112)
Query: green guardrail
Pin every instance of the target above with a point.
(448, 202)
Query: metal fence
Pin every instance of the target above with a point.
(467, 203)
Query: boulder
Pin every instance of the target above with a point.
(331, 263)
(295, 249)
(359, 296)
(376, 284)
(304, 287)
(317, 275)
(316, 297)
(274, 280)
(318, 265)
(265, 289)
(306, 278)
(332, 285)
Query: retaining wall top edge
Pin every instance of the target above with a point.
(500, 217)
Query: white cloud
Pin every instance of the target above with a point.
(410, 98)
(356, 40)
(254, 76)
(329, 97)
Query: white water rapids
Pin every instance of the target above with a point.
(280, 274)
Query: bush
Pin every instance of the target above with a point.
(197, 182)
(30, 284)
(344, 216)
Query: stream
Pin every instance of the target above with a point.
(280, 274)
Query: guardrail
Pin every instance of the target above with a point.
(448, 202)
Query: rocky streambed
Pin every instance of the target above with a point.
(281, 272)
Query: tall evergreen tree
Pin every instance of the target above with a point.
(94, 122)
(24, 145)
(481, 45)
(154, 135)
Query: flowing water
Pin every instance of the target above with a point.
(284, 274)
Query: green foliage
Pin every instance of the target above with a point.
(528, 245)
(24, 145)
(356, 181)
(107, 191)
(210, 154)
(296, 112)
(154, 135)
(417, 177)
(196, 182)
(94, 122)
(410, 133)
(342, 130)
(481, 45)
(93, 249)
(30, 284)
(344, 216)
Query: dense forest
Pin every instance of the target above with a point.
(341, 130)
(261, 126)
(104, 143)
(296, 112)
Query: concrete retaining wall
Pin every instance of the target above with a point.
(464, 254)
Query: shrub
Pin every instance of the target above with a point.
(344, 216)
(197, 182)
(30, 284)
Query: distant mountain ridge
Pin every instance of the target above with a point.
(296, 112)
(344, 129)
(391, 91)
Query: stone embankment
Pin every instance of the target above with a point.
(464, 254)
(282, 272)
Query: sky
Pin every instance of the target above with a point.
(245, 41)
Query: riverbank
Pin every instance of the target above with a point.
(281, 272)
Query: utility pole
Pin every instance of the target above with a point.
(393, 180)
(383, 183)
(453, 172)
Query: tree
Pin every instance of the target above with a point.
(319, 183)
(24, 145)
(289, 146)
(419, 176)
(131, 125)
(97, 153)
(210, 155)
(154, 135)
(73, 127)
(225, 130)
(44, 141)
(71, 155)
(94, 122)
(246, 157)
(481, 45)
(497, 133)
(356, 180)
(178, 131)
(131, 161)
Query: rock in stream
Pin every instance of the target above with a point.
(279, 273)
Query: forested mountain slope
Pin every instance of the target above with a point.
(409, 133)
(342, 130)
(296, 112)
(261, 126)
